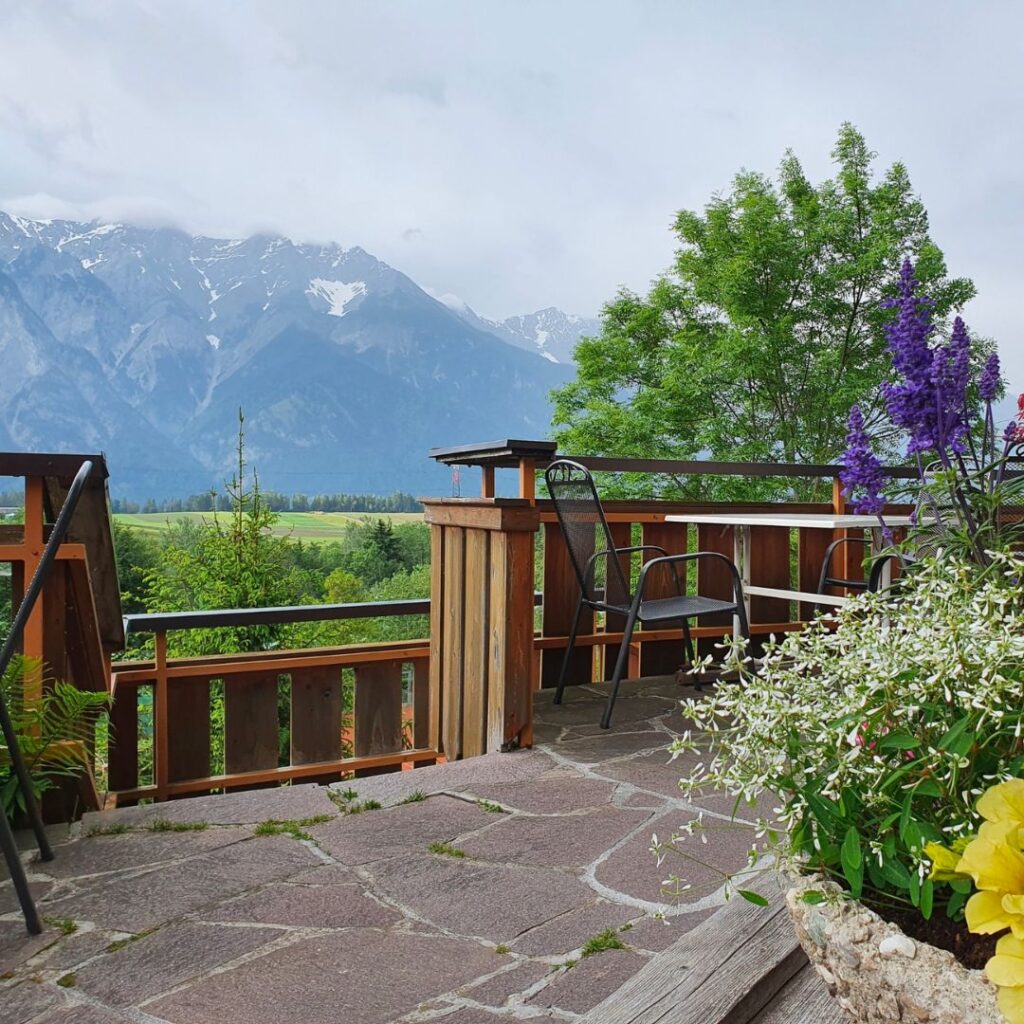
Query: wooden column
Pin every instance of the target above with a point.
(481, 623)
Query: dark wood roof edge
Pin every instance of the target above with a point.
(54, 464)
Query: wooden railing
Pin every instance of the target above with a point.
(185, 726)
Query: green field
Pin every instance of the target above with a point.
(311, 526)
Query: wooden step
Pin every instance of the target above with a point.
(742, 965)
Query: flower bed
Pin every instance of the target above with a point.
(879, 974)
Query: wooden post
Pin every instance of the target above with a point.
(161, 721)
(487, 482)
(481, 665)
(528, 479)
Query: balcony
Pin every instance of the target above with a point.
(435, 812)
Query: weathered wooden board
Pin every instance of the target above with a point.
(561, 595)
(725, 971)
(188, 715)
(475, 643)
(316, 717)
(804, 1000)
(664, 656)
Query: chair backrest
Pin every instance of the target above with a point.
(583, 524)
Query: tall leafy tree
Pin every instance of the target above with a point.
(766, 330)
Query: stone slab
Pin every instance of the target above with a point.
(492, 901)
(634, 870)
(452, 777)
(590, 981)
(572, 840)
(471, 1015)
(563, 934)
(248, 807)
(166, 958)
(549, 796)
(306, 906)
(397, 831)
(75, 949)
(358, 976)
(17, 946)
(498, 990)
(146, 900)
(9, 898)
(102, 854)
(25, 1001)
(593, 750)
(83, 1013)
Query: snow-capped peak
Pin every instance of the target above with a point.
(337, 294)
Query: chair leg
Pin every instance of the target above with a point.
(620, 668)
(17, 873)
(568, 652)
(691, 657)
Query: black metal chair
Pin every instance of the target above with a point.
(875, 576)
(585, 527)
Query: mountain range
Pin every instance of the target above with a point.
(144, 343)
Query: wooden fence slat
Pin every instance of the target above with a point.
(454, 633)
(770, 567)
(251, 722)
(713, 579)
(421, 705)
(474, 669)
(378, 711)
(316, 717)
(123, 739)
(437, 617)
(663, 657)
(188, 717)
(561, 593)
(811, 547)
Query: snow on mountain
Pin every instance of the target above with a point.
(147, 341)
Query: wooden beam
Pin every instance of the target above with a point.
(528, 479)
(486, 481)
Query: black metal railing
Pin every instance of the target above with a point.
(28, 603)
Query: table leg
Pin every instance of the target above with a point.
(877, 547)
(741, 556)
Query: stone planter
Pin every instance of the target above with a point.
(878, 974)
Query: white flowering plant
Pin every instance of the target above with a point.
(879, 732)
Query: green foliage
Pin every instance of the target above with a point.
(344, 587)
(417, 796)
(137, 556)
(230, 561)
(490, 807)
(294, 827)
(878, 736)
(764, 333)
(164, 825)
(601, 943)
(53, 730)
(447, 850)
(65, 925)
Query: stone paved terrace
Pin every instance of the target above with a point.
(369, 918)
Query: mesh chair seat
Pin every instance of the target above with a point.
(663, 608)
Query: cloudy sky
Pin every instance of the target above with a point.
(518, 154)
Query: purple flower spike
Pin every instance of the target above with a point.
(988, 386)
(912, 402)
(862, 476)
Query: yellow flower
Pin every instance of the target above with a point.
(1004, 802)
(944, 862)
(996, 864)
(1006, 970)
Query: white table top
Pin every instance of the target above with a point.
(795, 520)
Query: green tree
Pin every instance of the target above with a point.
(766, 330)
(342, 587)
(230, 561)
(136, 554)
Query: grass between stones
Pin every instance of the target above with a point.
(344, 801)
(446, 850)
(417, 796)
(68, 980)
(491, 807)
(163, 825)
(294, 827)
(63, 924)
(600, 943)
(106, 830)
